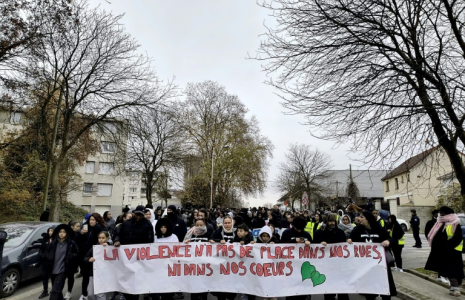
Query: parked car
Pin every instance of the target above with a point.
(20, 253)
(404, 224)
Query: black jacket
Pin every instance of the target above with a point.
(415, 222)
(132, 232)
(200, 238)
(334, 236)
(179, 227)
(258, 223)
(290, 235)
(276, 218)
(361, 234)
(396, 232)
(428, 226)
(71, 259)
(87, 240)
(247, 239)
(219, 235)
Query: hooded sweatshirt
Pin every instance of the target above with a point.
(168, 237)
(266, 229)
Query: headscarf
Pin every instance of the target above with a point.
(195, 231)
(349, 227)
(449, 219)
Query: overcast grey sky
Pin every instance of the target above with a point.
(210, 40)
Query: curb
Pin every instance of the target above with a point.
(408, 294)
(421, 275)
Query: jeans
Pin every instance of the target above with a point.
(58, 283)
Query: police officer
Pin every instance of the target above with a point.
(415, 223)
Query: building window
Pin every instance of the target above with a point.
(15, 117)
(143, 190)
(408, 177)
(106, 168)
(104, 189)
(87, 188)
(387, 186)
(90, 167)
(396, 180)
(108, 147)
(133, 190)
(402, 179)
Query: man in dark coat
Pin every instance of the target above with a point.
(415, 223)
(179, 226)
(137, 230)
(331, 234)
(276, 214)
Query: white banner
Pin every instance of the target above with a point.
(257, 269)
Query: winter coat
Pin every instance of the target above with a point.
(179, 227)
(168, 236)
(290, 235)
(71, 259)
(329, 236)
(200, 238)
(258, 223)
(276, 218)
(247, 239)
(443, 258)
(132, 232)
(219, 235)
(87, 240)
(266, 229)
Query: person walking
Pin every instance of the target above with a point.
(46, 241)
(369, 231)
(103, 239)
(415, 224)
(429, 225)
(446, 241)
(397, 241)
(136, 230)
(60, 259)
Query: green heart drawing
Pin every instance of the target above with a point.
(309, 271)
(318, 278)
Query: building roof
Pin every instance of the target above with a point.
(409, 163)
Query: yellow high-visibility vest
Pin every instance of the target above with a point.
(401, 241)
(381, 222)
(309, 228)
(450, 234)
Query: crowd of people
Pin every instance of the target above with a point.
(68, 247)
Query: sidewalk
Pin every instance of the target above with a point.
(411, 287)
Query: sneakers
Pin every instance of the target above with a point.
(455, 291)
(83, 297)
(443, 280)
(400, 270)
(67, 296)
(44, 294)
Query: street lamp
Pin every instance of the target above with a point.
(211, 183)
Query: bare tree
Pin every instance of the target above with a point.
(89, 68)
(156, 141)
(387, 74)
(305, 170)
(229, 144)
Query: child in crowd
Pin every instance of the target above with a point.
(61, 259)
(243, 235)
(103, 238)
(266, 237)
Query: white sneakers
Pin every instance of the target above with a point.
(67, 296)
(398, 270)
(443, 279)
(83, 297)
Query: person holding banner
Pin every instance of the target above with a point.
(266, 237)
(225, 233)
(198, 234)
(345, 225)
(369, 231)
(89, 259)
(331, 234)
(275, 234)
(137, 230)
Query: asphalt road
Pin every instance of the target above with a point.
(412, 258)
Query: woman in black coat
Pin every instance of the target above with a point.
(258, 221)
(370, 231)
(446, 243)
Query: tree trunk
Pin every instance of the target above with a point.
(55, 203)
(148, 187)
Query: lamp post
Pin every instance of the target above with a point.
(211, 182)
